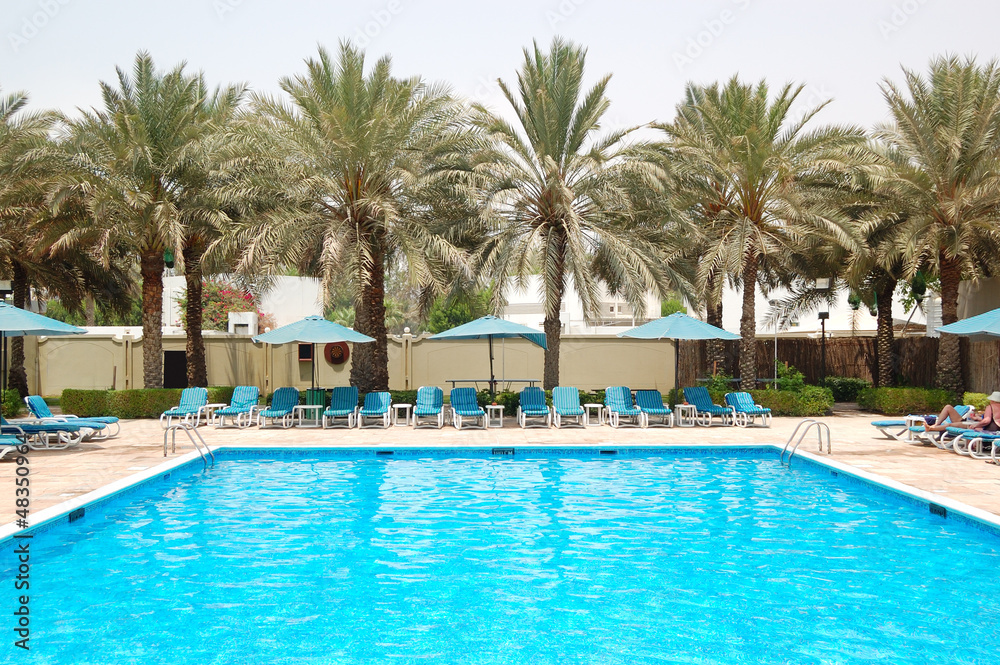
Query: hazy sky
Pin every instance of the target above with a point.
(58, 50)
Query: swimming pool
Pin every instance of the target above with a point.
(541, 557)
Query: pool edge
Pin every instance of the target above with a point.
(48, 517)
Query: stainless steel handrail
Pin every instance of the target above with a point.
(809, 424)
(193, 435)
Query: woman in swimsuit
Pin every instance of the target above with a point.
(990, 421)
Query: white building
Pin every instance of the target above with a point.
(525, 306)
(289, 299)
(843, 321)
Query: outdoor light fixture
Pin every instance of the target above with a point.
(823, 316)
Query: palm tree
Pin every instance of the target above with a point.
(776, 178)
(944, 140)
(30, 254)
(360, 169)
(24, 176)
(702, 199)
(564, 202)
(141, 164)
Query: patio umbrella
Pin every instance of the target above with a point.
(678, 326)
(313, 330)
(17, 322)
(490, 327)
(980, 328)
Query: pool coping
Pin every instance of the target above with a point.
(939, 505)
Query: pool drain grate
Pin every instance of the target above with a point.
(938, 510)
(77, 514)
(383, 452)
(502, 451)
(609, 452)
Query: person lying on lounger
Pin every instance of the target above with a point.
(989, 422)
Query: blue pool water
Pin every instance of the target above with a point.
(540, 558)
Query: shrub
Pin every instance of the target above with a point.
(809, 401)
(977, 400)
(901, 401)
(85, 402)
(845, 388)
(790, 378)
(141, 403)
(12, 403)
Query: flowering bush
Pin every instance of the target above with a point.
(218, 300)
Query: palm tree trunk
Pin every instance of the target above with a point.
(716, 350)
(151, 269)
(553, 329)
(17, 377)
(552, 326)
(197, 369)
(748, 325)
(949, 363)
(370, 362)
(88, 310)
(884, 333)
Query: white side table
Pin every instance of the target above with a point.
(405, 408)
(494, 411)
(298, 413)
(209, 411)
(687, 415)
(914, 421)
(600, 413)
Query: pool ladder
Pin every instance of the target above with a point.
(193, 435)
(809, 423)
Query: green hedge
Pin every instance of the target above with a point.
(845, 388)
(977, 400)
(902, 401)
(13, 405)
(143, 403)
(809, 401)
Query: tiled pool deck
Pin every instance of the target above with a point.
(61, 475)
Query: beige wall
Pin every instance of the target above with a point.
(586, 361)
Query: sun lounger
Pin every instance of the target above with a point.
(618, 402)
(45, 436)
(281, 409)
(40, 410)
(376, 407)
(700, 398)
(241, 409)
(10, 444)
(566, 404)
(916, 429)
(343, 405)
(973, 443)
(430, 407)
(189, 408)
(532, 405)
(893, 429)
(747, 411)
(465, 407)
(651, 403)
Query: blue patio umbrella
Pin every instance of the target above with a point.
(983, 327)
(313, 330)
(17, 322)
(678, 326)
(490, 327)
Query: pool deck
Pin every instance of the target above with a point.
(57, 476)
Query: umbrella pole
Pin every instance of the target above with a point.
(314, 365)
(493, 383)
(677, 365)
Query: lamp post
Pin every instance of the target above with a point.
(823, 285)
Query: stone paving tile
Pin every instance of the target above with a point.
(58, 475)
